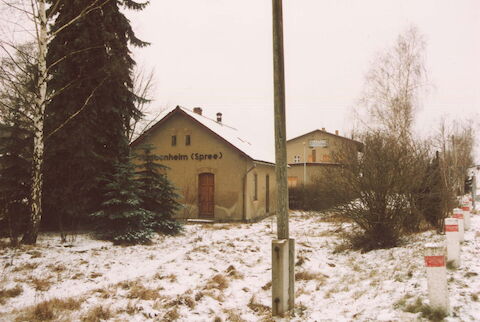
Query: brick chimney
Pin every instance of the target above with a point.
(197, 110)
(336, 132)
(219, 117)
(323, 129)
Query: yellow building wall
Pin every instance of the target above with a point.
(295, 147)
(206, 153)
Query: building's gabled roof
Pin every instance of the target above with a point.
(227, 133)
(359, 144)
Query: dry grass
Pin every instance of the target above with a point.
(308, 276)
(7, 293)
(200, 249)
(218, 282)
(77, 276)
(25, 267)
(233, 315)
(267, 286)
(185, 299)
(257, 307)
(95, 274)
(171, 315)
(138, 291)
(41, 284)
(34, 253)
(97, 314)
(232, 272)
(49, 310)
(58, 268)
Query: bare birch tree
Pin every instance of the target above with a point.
(393, 85)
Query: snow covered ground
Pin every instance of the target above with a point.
(222, 272)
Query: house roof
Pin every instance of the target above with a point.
(359, 144)
(230, 135)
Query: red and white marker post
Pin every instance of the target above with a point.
(466, 216)
(453, 241)
(458, 214)
(435, 262)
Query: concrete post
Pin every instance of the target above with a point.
(291, 274)
(466, 217)
(436, 276)
(453, 242)
(461, 225)
(280, 276)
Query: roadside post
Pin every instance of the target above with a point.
(436, 276)
(453, 242)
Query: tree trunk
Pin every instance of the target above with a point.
(30, 236)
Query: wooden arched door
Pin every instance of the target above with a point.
(206, 190)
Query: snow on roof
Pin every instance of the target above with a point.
(228, 133)
(232, 136)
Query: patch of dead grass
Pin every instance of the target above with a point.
(139, 291)
(308, 276)
(6, 293)
(25, 267)
(97, 314)
(41, 284)
(233, 315)
(219, 282)
(49, 310)
(257, 307)
(232, 272)
(171, 315)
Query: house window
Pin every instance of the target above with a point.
(296, 159)
(314, 156)
(255, 187)
(174, 140)
(187, 140)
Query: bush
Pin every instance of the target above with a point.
(375, 190)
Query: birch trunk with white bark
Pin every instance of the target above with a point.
(31, 234)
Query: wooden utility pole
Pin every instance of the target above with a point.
(283, 249)
(280, 128)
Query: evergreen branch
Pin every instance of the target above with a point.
(77, 112)
(83, 13)
(71, 54)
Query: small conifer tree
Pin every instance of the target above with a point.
(121, 218)
(157, 193)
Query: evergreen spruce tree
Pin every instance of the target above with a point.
(122, 218)
(16, 145)
(432, 194)
(88, 118)
(156, 191)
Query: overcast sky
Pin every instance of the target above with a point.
(217, 54)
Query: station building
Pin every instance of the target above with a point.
(219, 175)
(311, 154)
